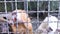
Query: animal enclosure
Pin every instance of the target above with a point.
(37, 11)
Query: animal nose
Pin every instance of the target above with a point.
(50, 29)
(14, 19)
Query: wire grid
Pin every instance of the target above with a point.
(26, 8)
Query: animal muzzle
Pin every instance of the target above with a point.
(49, 29)
(14, 19)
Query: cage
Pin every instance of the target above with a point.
(37, 11)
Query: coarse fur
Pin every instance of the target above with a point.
(24, 24)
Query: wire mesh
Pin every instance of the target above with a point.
(35, 21)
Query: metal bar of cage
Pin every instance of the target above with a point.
(12, 4)
(11, 1)
(58, 18)
(23, 1)
(31, 11)
(27, 32)
(6, 14)
(37, 15)
(16, 16)
(37, 10)
(48, 11)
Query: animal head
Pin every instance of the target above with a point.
(20, 16)
(44, 27)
